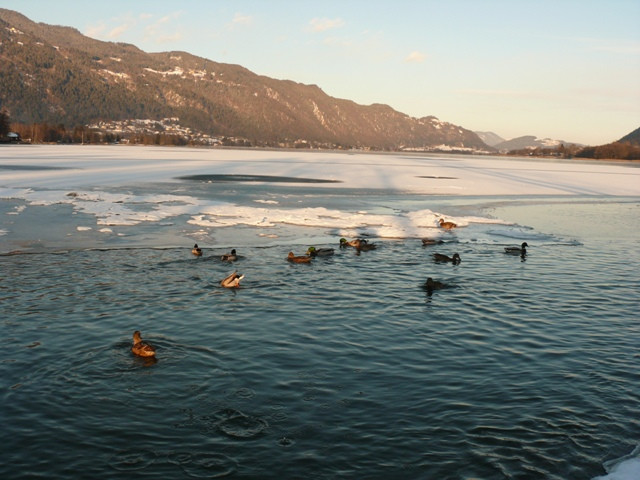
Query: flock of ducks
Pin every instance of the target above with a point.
(143, 349)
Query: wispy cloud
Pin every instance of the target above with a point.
(96, 30)
(415, 57)
(324, 24)
(113, 29)
(163, 30)
(119, 30)
(241, 19)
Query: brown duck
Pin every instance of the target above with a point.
(232, 280)
(447, 225)
(140, 348)
(301, 259)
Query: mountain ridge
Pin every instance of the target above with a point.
(55, 74)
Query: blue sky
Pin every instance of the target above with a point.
(561, 69)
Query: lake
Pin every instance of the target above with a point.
(521, 367)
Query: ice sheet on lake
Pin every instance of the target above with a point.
(124, 187)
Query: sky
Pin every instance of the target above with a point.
(561, 69)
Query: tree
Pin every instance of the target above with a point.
(4, 123)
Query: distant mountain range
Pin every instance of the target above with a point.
(490, 138)
(520, 143)
(55, 74)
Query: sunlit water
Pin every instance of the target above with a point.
(344, 368)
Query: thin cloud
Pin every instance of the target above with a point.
(119, 30)
(159, 31)
(415, 57)
(624, 48)
(241, 19)
(324, 24)
(96, 30)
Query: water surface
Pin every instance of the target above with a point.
(344, 368)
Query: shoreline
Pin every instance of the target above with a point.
(547, 158)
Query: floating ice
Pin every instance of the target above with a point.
(624, 468)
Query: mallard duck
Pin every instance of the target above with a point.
(140, 348)
(196, 250)
(439, 257)
(229, 257)
(232, 280)
(446, 225)
(430, 285)
(320, 252)
(364, 245)
(431, 241)
(302, 259)
(347, 243)
(521, 250)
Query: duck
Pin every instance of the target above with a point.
(359, 244)
(232, 280)
(320, 252)
(140, 348)
(431, 241)
(302, 259)
(229, 257)
(521, 250)
(347, 243)
(196, 250)
(446, 225)
(430, 285)
(439, 257)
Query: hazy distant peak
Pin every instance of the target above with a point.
(490, 138)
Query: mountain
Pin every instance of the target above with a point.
(528, 141)
(633, 138)
(57, 75)
(490, 138)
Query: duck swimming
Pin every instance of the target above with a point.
(229, 257)
(302, 259)
(320, 252)
(347, 243)
(232, 280)
(439, 257)
(521, 250)
(431, 241)
(140, 348)
(430, 285)
(364, 245)
(196, 250)
(447, 225)
(359, 244)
